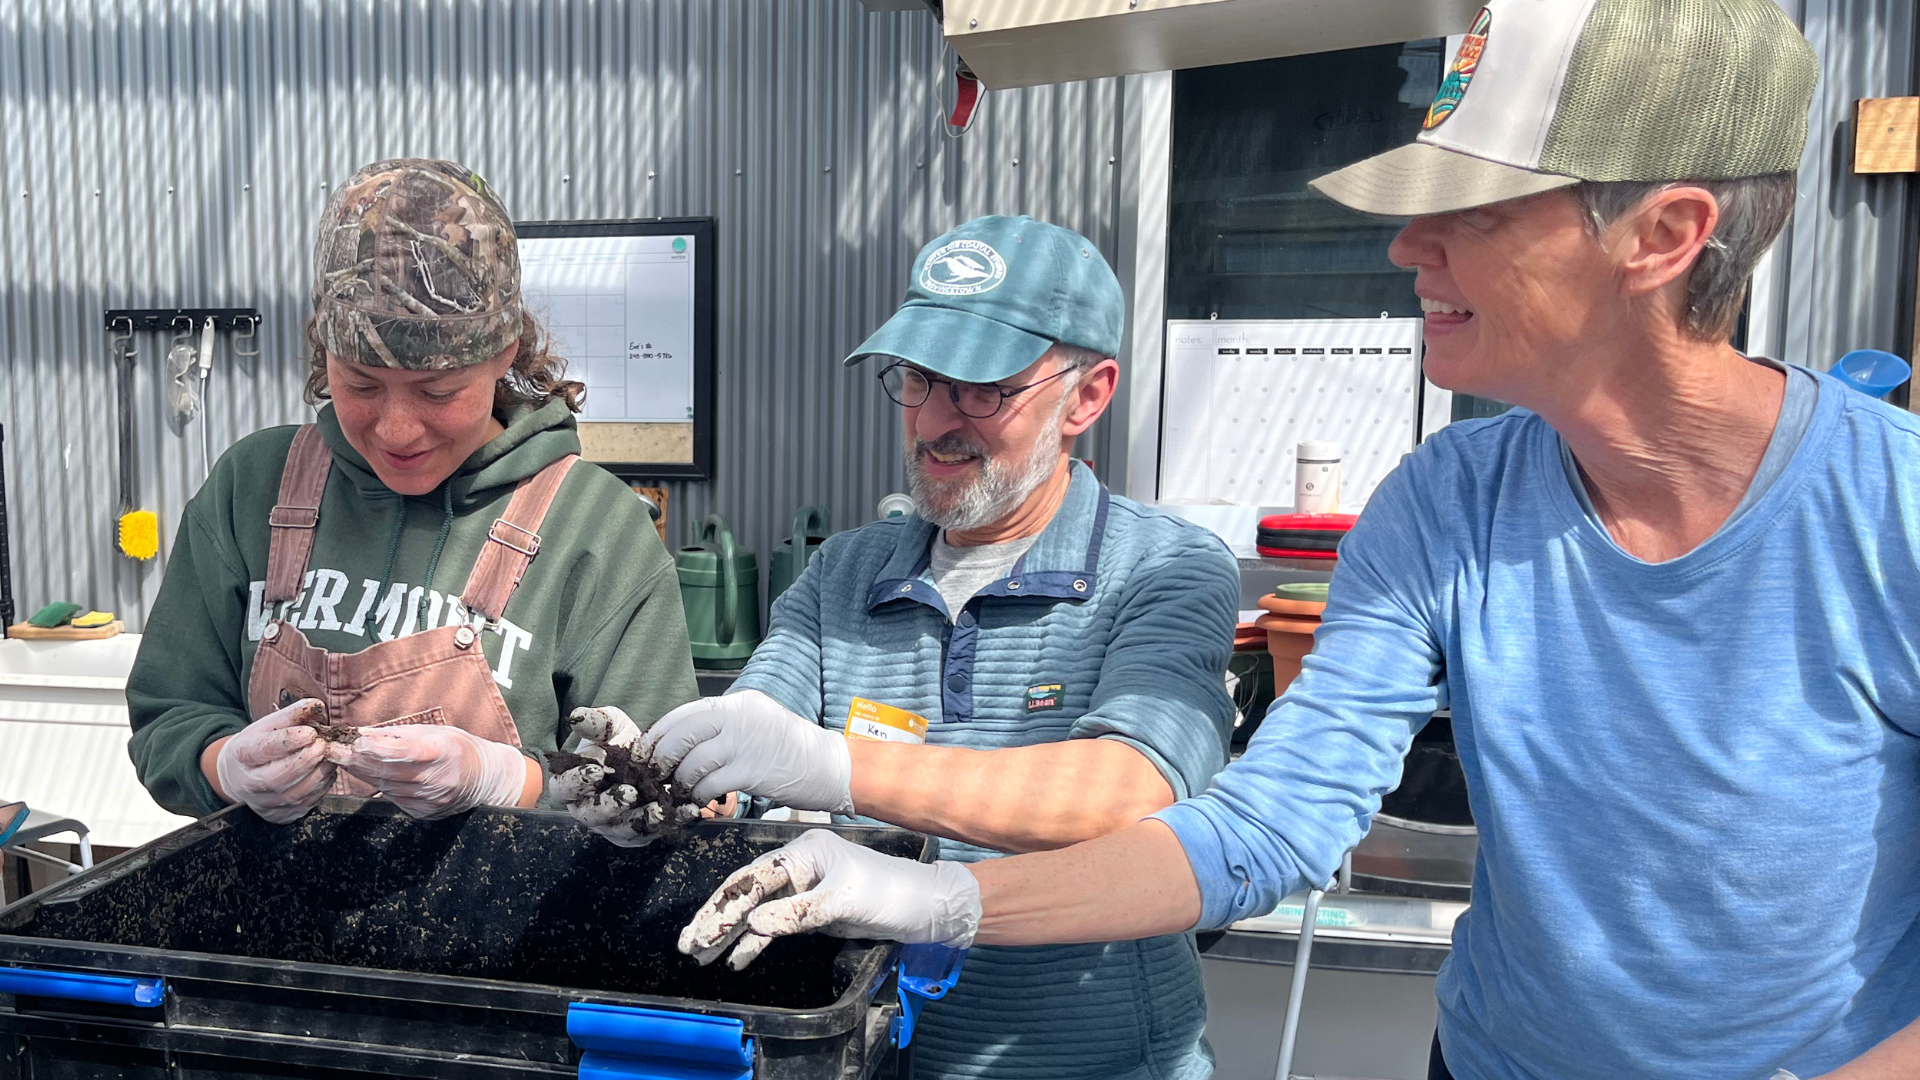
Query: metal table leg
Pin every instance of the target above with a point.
(1302, 959)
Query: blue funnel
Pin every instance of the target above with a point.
(1872, 372)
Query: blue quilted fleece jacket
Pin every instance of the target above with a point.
(1116, 624)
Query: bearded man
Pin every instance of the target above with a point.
(1026, 662)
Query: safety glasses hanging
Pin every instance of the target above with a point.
(185, 367)
(910, 387)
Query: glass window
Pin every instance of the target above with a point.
(1246, 238)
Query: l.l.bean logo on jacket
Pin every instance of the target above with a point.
(1045, 697)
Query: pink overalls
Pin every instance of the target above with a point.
(438, 676)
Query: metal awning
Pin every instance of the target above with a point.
(1026, 44)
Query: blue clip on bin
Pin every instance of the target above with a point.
(927, 972)
(80, 986)
(631, 1043)
(1872, 372)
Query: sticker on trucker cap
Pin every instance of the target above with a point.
(877, 722)
(1460, 75)
(963, 268)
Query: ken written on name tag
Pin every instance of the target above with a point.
(883, 723)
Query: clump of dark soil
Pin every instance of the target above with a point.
(316, 718)
(496, 894)
(653, 783)
(344, 735)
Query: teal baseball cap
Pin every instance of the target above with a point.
(989, 298)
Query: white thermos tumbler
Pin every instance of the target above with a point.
(1316, 477)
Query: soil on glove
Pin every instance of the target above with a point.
(653, 783)
(495, 894)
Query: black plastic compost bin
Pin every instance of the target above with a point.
(358, 941)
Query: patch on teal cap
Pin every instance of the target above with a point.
(989, 298)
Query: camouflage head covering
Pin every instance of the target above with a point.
(416, 267)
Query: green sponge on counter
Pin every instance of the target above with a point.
(54, 614)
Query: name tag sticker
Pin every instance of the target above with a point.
(876, 722)
(1045, 697)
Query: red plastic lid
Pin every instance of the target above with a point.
(1295, 553)
(1327, 522)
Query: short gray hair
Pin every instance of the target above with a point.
(1077, 358)
(1753, 210)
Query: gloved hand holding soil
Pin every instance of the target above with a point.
(614, 789)
(280, 765)
(434, 771)
(824, 883)
(747, 741)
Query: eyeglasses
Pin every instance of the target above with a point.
(910, 387)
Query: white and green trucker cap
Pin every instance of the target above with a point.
(1543, 94)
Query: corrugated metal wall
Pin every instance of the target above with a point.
(156, 153)
(1849, 258)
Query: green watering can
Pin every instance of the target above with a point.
(719, 587)
(810, 529)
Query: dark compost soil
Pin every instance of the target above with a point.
(653, 783)
(316, 718)
(343, 734)
(494, 894)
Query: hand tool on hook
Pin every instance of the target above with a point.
(206, 402)
(137, 532)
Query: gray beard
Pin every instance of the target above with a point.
(997, 491)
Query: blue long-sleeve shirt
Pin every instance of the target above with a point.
(1697, 782)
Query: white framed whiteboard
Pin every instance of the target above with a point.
(1241, 394)
(629, 304)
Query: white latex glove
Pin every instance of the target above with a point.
(278, 765)
(615, 813)
(823, 883)
(433, 771)
(750, 742)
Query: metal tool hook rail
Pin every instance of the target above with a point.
(161, 318)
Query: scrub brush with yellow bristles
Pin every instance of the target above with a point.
(138, 531)
(140, 534)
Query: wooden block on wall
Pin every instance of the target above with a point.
(1886, 135)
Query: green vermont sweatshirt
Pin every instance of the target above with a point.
(596, 620)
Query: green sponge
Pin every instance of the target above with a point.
(54, 614)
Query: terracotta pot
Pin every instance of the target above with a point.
(1289, 639)
(1280, 606)
(1294, 624)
